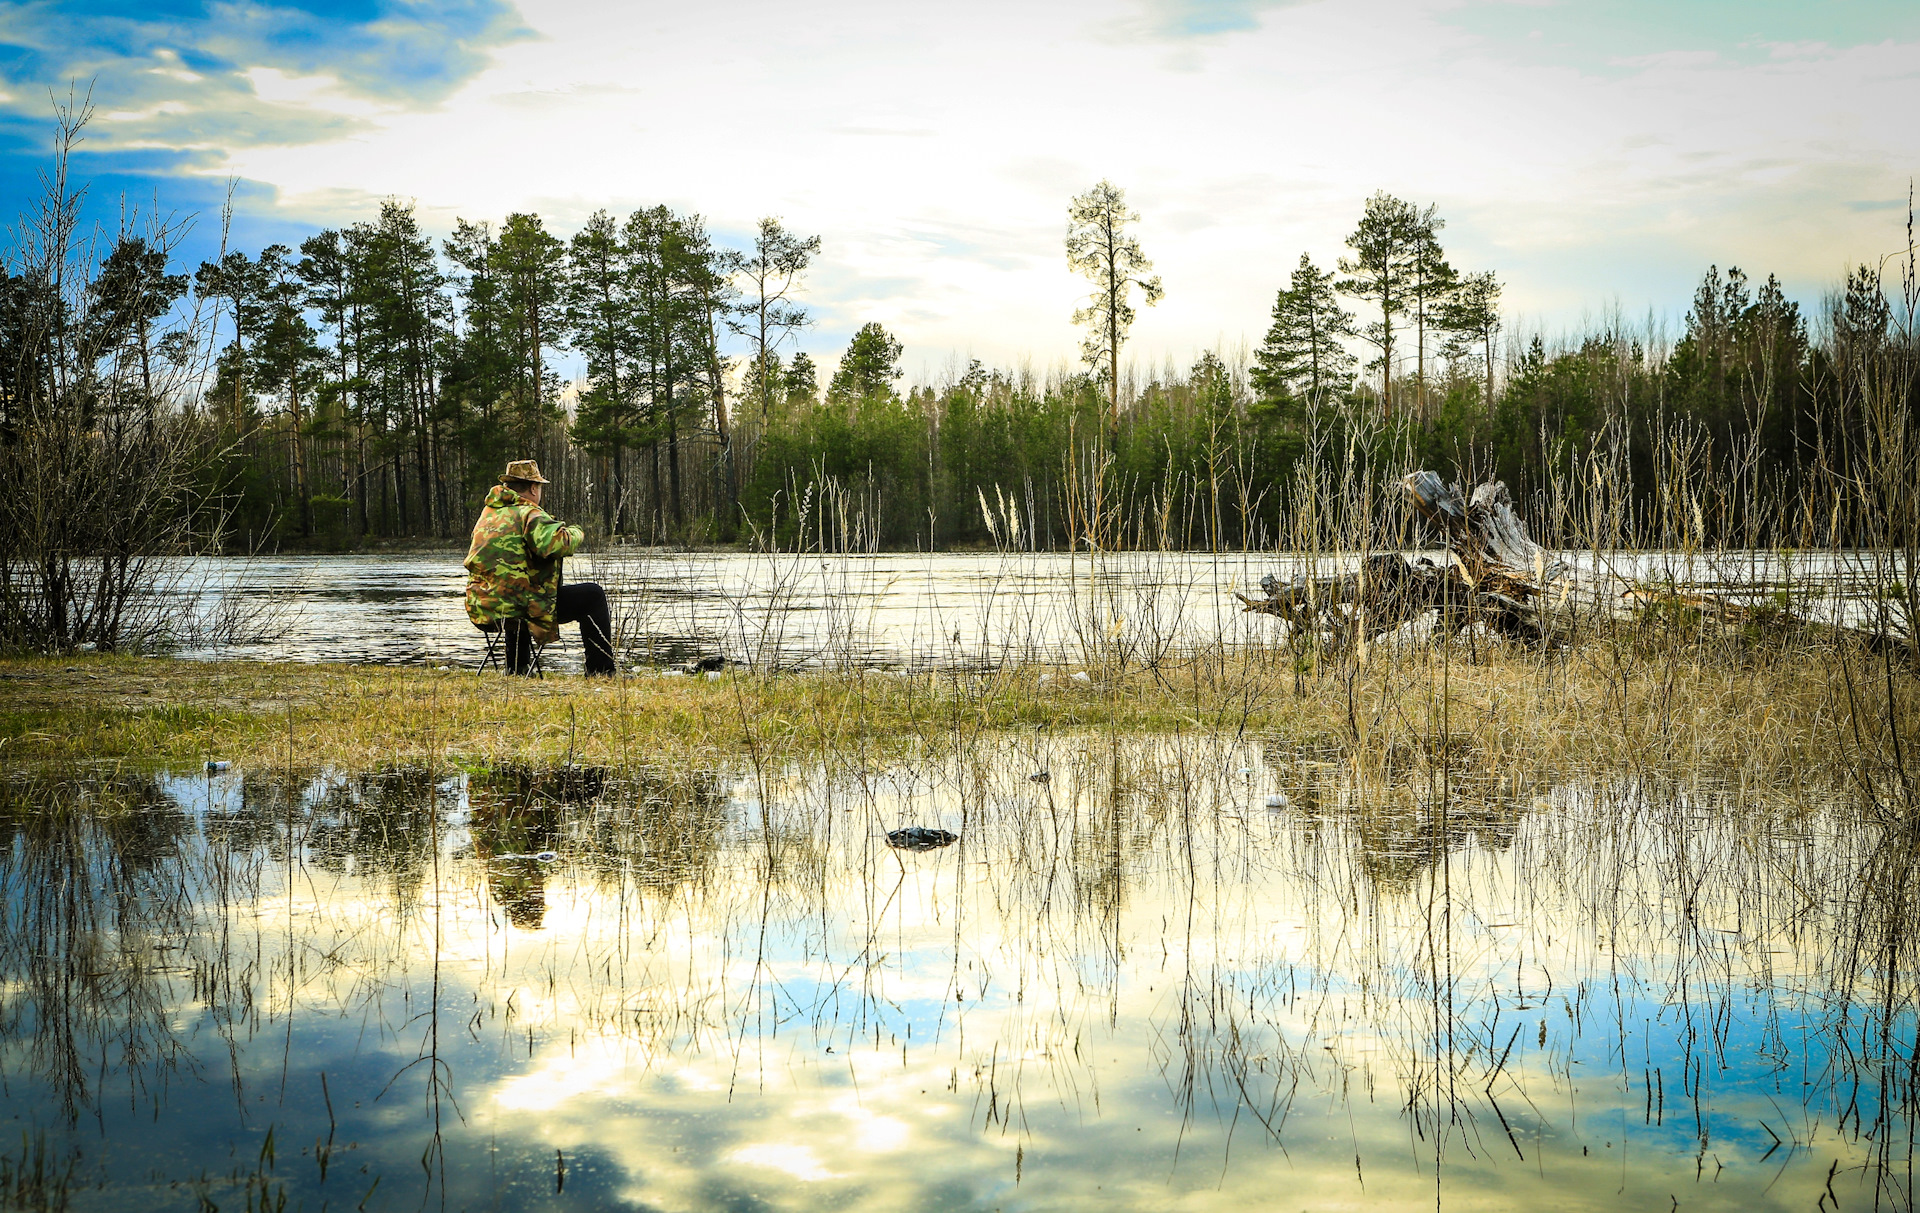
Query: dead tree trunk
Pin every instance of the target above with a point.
(1495, 574)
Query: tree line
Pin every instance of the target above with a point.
(368, 385)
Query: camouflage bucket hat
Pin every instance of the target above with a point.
(525, 469)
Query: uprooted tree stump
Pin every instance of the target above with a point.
(1496, 575)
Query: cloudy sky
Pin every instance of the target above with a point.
(1595, 153)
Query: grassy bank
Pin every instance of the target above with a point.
(1827, 720)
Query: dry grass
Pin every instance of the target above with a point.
(1510, 712)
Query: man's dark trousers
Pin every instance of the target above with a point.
(584, 603)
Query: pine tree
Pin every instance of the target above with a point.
(768, 316)
(600, 317)
(1099, 247)
(1470, 318)
(706, 281)
(235, 280)
(868, 368)
(1861, 318)
(801, 382)
(1302, 355)
(406, 316)
(132, 290)
(1430, 283)
(480, 368)
(763, 379)
(1385, 245)
(532, 269)
(680, 287)
(332, 268)
(288, 359)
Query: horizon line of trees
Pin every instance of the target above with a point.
(369, 384)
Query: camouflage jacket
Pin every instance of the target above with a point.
(514, 564)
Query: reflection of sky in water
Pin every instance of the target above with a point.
(917, 610)
(1185, 1001)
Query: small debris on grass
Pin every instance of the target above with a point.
(216, 766)
(1277, 801)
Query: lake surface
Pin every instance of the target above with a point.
(1175, 974)
(907, 611)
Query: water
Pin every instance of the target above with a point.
(778, 611)
(907, 611)
(1130, 986)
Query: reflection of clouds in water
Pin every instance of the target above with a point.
(797, 1161)
(843, 1124)
(1078, 994)
(594, 1068)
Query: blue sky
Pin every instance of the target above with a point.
(1597, 155)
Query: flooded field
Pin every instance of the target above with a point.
(1148, 974)
(942, 611)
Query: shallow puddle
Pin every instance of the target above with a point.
(1146, 975)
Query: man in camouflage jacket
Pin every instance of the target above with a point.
(515, 575)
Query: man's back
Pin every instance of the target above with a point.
(514, 563)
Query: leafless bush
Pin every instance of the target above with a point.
(112, 472)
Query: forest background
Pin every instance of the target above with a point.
(366, 386)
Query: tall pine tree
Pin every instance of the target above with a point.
(768, 316)
(1430, 283)
(601, 316)
(1385, 245)
(1302, 356)
(1470, 318)
(1100, 247)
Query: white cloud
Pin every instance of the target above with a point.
(936, 156)
(320, 92)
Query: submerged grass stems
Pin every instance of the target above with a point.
(1399, 946)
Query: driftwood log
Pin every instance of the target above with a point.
(1495, 574)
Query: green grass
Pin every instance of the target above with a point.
(1599, 706)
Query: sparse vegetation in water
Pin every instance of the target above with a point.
(673, 975)
(34, 1178)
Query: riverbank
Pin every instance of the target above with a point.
(1509, 714)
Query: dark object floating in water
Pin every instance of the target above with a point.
(920, 838)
